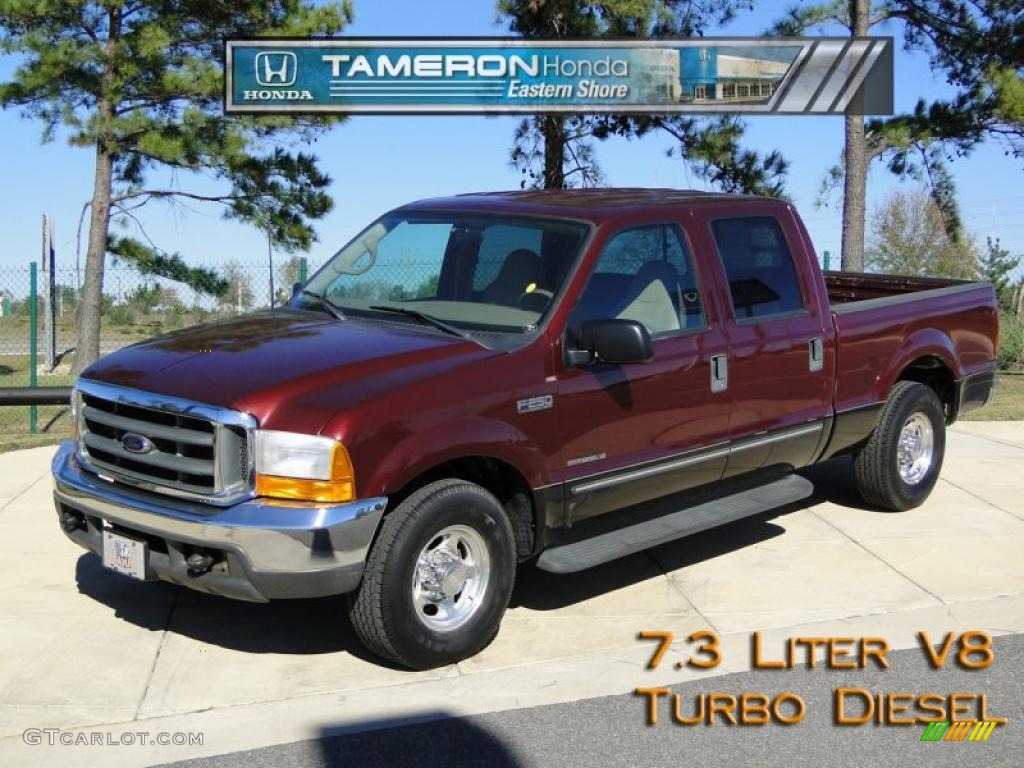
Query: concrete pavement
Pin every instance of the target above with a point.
(88, 649)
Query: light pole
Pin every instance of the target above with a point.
(270, 262)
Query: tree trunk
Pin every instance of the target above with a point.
(856, 166)
(854, 195)
(553, 129)
(87, 348)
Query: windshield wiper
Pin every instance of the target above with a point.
(332, 309)
(423, 317)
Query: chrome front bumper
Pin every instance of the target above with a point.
(262, 549)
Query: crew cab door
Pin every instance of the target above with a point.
(780, 367)
(635, 432)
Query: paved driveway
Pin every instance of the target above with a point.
(86, 647)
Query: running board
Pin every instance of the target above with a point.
(587, 553)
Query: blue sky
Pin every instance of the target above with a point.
(380, 162)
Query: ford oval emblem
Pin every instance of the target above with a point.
(134, 443)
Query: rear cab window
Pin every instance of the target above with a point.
(763, 281)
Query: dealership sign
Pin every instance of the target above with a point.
(490, 76)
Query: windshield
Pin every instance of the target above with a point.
(475, 272)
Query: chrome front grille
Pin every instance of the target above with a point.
(164, 444)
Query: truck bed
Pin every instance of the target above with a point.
(886, 323)
(850, 287)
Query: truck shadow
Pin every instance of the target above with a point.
(294, 627)
(321, 625)
(542, 591)
(834, 482)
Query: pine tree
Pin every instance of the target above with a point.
(555, 151)
(856, 18)
(140, 82)
(976, 43)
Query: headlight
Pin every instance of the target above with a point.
(306, 467)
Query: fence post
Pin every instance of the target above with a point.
(33, 415)
(303, 268)
(828, 260)
(270, 262)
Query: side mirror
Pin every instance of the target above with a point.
(619, 342)
(296, 290)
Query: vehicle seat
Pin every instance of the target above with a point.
(652, 297)
(753, 259)
(520, 269)
(766, 271)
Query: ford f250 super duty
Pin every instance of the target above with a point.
(473, 382)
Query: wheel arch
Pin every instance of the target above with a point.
(927, 356)
(526, 512)
(934, 372)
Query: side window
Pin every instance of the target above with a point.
(759, 267)
(644, 274)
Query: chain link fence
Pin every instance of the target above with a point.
(135, 306)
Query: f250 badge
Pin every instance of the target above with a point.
(531, 404)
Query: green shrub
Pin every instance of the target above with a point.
(1011, 343)
(121, 314)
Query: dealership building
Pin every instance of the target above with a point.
(705, 75)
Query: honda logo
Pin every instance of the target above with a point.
(276, 68)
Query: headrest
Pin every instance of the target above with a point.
(522, 259)
(657, 270)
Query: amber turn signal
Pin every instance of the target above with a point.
(304, 490)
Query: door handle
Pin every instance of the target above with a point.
(719, 373)
(816, 354)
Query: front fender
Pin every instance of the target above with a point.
(423, 449)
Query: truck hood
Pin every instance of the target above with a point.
(290, 369)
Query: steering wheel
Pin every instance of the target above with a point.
(526, 299)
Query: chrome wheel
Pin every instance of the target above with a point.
(450, 578)
(915, 449)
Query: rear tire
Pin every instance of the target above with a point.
(900, 463)
(438, 578)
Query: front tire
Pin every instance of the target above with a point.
(438, 578)
(900, 463)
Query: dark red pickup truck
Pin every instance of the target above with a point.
(487, 379)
